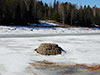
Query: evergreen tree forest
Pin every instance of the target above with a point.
(24, 12)
(18, 12)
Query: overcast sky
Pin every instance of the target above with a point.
(78, 2)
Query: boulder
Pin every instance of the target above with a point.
(49, 49)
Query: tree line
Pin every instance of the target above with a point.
(70, 14)
(17, 12)
(23, 12)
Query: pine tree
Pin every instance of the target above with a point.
(46, 11)
(50, 12)
(80, 16)
(18, 20)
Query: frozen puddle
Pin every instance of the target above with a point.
(16, 54)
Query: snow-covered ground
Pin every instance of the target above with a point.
(44, 30)
(17, 53)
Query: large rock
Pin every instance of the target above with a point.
(49, 49)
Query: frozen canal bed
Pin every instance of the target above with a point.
(16, 54)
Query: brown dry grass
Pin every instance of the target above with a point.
(88, 67)
(45, 62)
(94, 68)
(59, 24)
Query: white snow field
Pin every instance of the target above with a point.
(16, 54)
(44, 30)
